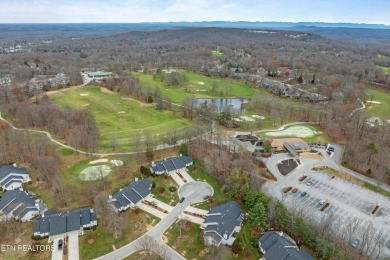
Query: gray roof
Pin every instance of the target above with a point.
(171, 164)
(134, 192)
(227, 216)
(295, 147)
(8, 169)
(11, 177)
(57, 225)
(60, 223)
(168, 165)
(73, 221)
(19, 200)
(275, 248)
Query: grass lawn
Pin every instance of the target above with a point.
(119, 118)
(199, 86)
(143, 255)
(199, 173)
(190, 244)
(163, 183)
(378, 109)
(95, 243)
(386, 70)
(309, 133)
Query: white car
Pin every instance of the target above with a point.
(355, 243)
(322, 202)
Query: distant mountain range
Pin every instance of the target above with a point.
(38, 31)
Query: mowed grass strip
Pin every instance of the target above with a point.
(119, 117)
(200, 86)
(378, 109)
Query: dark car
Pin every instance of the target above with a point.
(60, 244)
(331, 149)
(295, 190)
(303, 194)
(206, 197)
(181, 199)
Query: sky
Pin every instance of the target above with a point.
(134, 11)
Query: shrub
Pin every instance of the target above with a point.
(236, 248)
(172, 189)
(153, 184)
(36, 238)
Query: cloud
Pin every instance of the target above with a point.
(54, 11)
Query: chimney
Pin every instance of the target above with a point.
(225, 235)
(136, 179)
(14, 164)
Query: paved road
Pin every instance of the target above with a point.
(193, 193)
(333, 164)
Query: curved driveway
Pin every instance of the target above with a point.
(152, 240)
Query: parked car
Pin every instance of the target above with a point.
(309, 183)
(295, 190)
(181, 199)
(206, 197)
(322, 202)
(303, 194)
(60, 244)
(331, 149)
(355, 243)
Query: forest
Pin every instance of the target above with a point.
(341, 68)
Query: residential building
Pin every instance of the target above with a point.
(277, 245)
(12, 177)
(59, 224)
(221, 223)
(171, 165)
(131, 195)
(99, 74)
(20, 205)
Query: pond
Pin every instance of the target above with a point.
(221, 104)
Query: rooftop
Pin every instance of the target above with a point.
(132, 193)
(278, 246)
(60, 223)
(223, 219)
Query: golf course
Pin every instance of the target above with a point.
(119, 118)
(198, 85)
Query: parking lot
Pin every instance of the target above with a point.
(349, 212)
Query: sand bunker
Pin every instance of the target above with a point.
(169, 70)
(247, 118)
(258, 117)
(201, 83)
(373, 121)
(98, 161)
(121, 112)
(374, 102)
(84, 94)
(95, 172)
(117, 162)
(293, 131)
